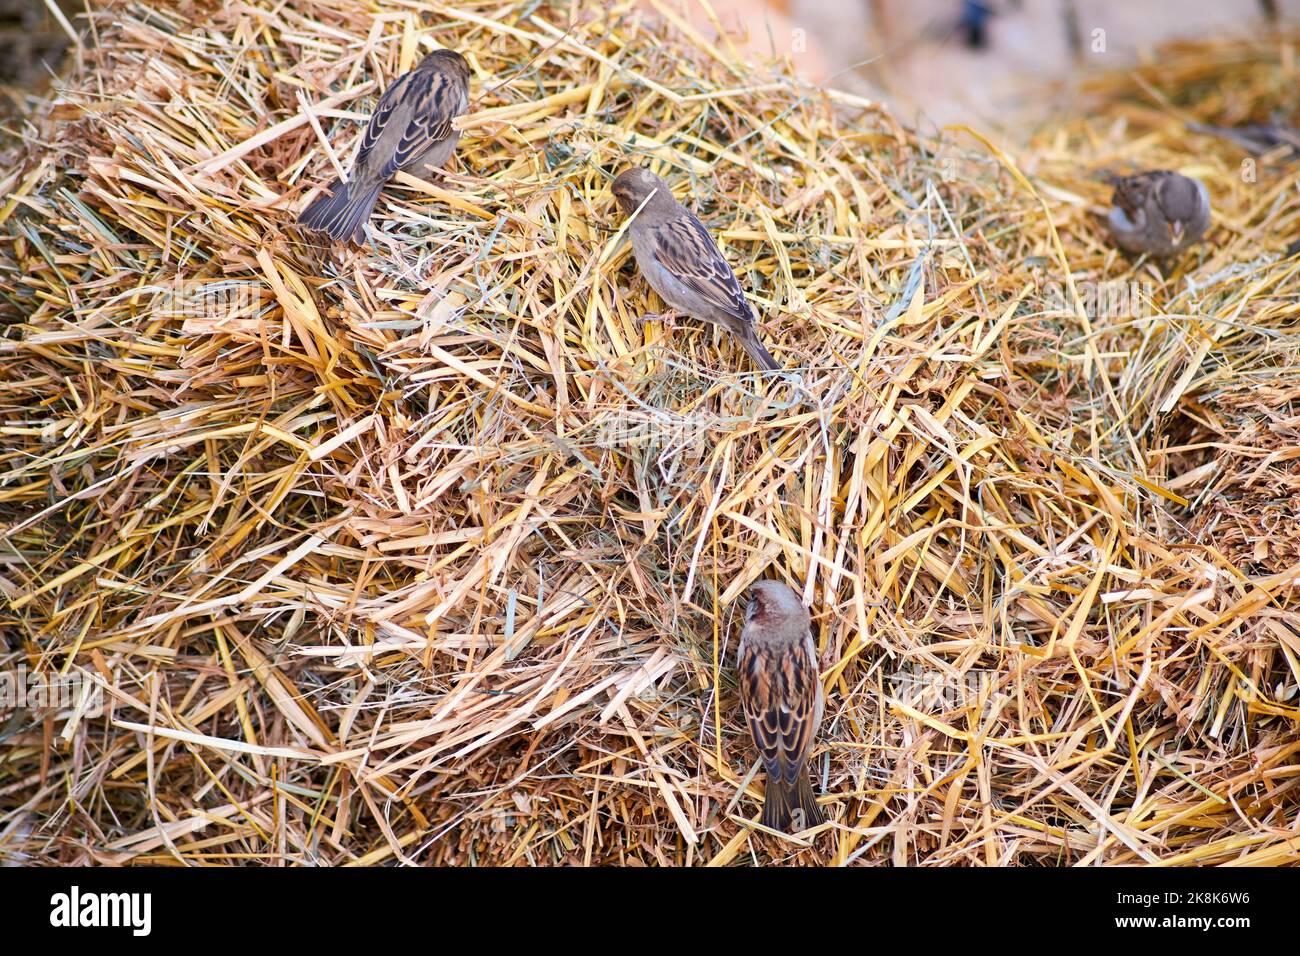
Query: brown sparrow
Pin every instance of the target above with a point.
(1257, 138)
(409, 131)
(782, 697)
(682, 263)
(1160, 212)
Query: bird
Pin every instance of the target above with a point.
(1257, 138)
(781, 694)
(410, 131)
(681, 261)
(1158, 212)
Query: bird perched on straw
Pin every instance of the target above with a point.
(782, 697)
(1257, 138)
(410, 131)
(1158, 212)
(682, 263)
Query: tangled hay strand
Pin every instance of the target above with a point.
(427, 552)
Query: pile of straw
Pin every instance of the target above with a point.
(429, 552)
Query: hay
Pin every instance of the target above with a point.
(428, 552)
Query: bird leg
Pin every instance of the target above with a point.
(669, 318)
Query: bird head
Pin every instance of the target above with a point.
(1132, 192)
(632, 186)
(772, 601)
(448, 60)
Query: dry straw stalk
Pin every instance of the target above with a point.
(429, 552)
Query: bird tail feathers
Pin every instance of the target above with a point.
(343, 211)
(757, 352)
(787, 804)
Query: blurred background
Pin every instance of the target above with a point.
(997, 63)
(30, 37)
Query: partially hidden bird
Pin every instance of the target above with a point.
(409, 131)
(1158, 212)
(682, 263)
(781, 694)
(1257, 138)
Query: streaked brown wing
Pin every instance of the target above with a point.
(413, 114)
(381, 126)
(779, 694)
(442, 99)
(686, 250)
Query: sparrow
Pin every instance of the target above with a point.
(782, 698)
(1159, 212)
(410, 131)
(681, 261)
(1257, 138)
